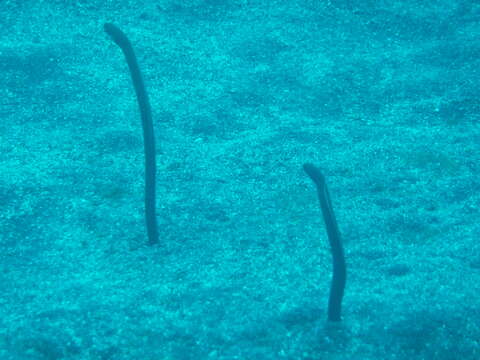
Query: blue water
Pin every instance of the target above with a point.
(381, 96)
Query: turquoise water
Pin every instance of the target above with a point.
(381, 96)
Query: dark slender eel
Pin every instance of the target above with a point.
(148, 138)
(339, 268)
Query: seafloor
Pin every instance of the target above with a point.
(382, 95)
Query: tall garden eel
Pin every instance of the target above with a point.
(122, 41)
(339, 268)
